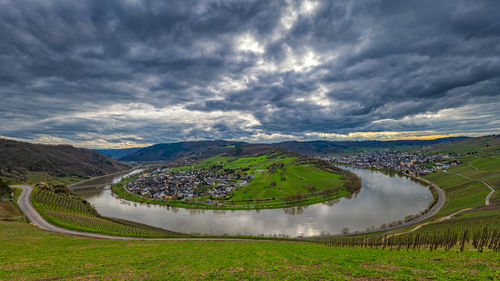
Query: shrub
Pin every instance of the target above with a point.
(5, 190)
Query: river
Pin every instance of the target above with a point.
(382, 199)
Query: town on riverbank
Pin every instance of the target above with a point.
(415, 164)
(184, 185)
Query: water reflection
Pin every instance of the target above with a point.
(297, 210)
(382, 199)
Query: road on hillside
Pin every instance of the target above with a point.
(24, 202)
(487, 201)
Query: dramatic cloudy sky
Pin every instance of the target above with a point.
(131, 73)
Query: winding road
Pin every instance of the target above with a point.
(487, 202)
(24, 202)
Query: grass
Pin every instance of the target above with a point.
(254, 163)
(28, 253)
(298, 177)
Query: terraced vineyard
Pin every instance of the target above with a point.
(478, 230)
(66, 210)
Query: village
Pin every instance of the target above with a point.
(417, 164)
(165, 184)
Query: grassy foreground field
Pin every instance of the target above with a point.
(27, 253)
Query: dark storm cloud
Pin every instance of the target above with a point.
(153, 71)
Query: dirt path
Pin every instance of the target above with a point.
(487, 202)
(422, 225)
(24, 202)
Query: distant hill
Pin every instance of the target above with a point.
(174, 151)
(472, 145)
(326, 147)
(118, 153)
(204, 149)
(254, 149)
(17, 159)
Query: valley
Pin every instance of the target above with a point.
(452, 234)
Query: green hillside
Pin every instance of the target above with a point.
(463, 183)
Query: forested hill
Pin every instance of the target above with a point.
(18, 159)
(325, 147)
(205, 149)
(118, 153)
(174, 151)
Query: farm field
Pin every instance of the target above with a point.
(472, 220)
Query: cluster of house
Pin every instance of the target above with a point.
(185, 185)
(411, 163)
